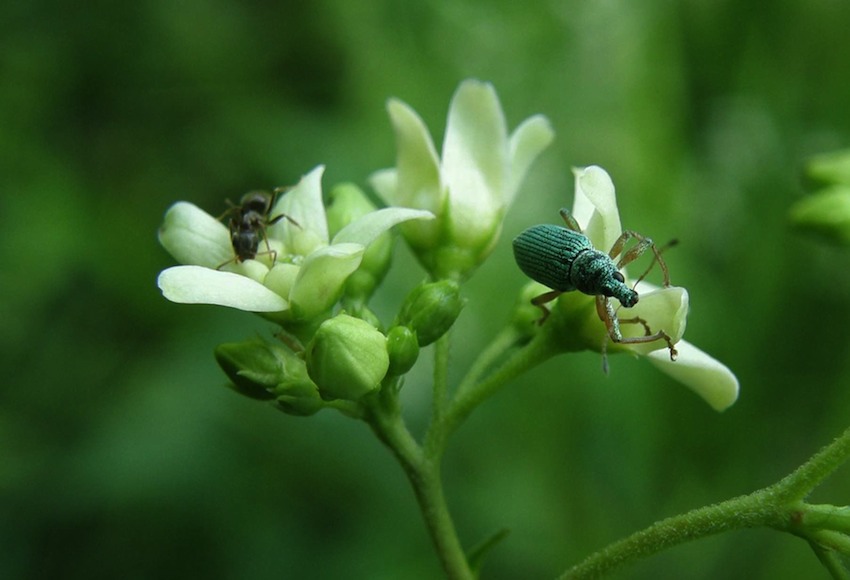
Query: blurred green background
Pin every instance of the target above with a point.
(123, 455)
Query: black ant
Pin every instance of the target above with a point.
(248, 224)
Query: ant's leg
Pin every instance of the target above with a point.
(282, 190)
(231, 207)
(276, 219)
(570, 220)
(540, 302)
(223, 264)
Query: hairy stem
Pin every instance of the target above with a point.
(779, 506)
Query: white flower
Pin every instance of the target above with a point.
(470, 187)
(310, 270)
(595, 208)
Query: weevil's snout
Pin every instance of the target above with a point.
(617, 288)
(629, 299)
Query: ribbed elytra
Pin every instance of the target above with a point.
(564, 260)
(546, 253)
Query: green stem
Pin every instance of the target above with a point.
(384, 416)
(742, 512)
(830, 558)
(441, 376)
(494, 351)
(778, 506)
(804, 479)
(470, 395)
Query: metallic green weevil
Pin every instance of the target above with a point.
(564, 259)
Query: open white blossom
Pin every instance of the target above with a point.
(309, 269)
(595, 209)
(469, 187)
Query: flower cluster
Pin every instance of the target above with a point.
(317, 266)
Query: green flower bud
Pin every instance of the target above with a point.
(403, 349)
(825, 213)
(431, 309)
(526, 316)
(830, 168)
(348, 202)
(347, 358)
(265, 371)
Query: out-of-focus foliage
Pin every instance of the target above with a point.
(123, 453)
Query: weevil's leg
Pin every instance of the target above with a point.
(634, 253)
(662, 249)
(540, 302)
(612, 323)
(607, 315)
(637, 320)
(570, 220)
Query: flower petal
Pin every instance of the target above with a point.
(706, 376)
(385, 183)
(475, 166)
(526, 144)
(418, 167)
(595, 207)
(475, 150)
(663, 309)
(198, 285)
(366, 228)
(281, 278)
(322, 277)
(302, 203)
(192, 236)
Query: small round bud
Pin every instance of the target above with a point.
(431, 309)
(403, 349)
(347, 358)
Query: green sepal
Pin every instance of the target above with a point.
(299, 398)
(267, 371)
(252, 367)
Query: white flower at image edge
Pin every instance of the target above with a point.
(310, 270)
(470, 186)
(595, 208)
